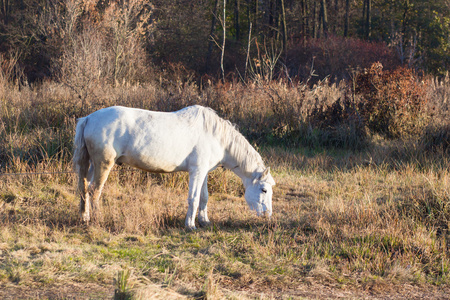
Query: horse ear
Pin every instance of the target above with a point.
(265, 176)
(265, 173)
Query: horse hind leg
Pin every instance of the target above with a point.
(101, 173)
(83, 187)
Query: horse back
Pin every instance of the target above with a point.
(153, 141)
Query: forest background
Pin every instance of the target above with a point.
(339, 35)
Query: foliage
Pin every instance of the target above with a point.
(418, 31)
(393, 102)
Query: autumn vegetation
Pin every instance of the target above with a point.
(347, 101)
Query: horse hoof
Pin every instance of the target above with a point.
(204, 223)
(85, 218)
(190, 228)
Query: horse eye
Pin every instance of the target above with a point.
(264, 190)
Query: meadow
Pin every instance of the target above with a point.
(360, 210)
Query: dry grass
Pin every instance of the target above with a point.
(365, 223)
(338, 222)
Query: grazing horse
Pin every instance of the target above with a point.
(193, 139)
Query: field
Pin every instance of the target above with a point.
(349, 222)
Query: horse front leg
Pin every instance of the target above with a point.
(196, 180)
(203, 211)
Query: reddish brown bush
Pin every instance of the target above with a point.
(393, 103)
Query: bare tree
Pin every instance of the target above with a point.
(211, 38)
(284, 29)
(368, 18)
(324, 17)
(346, 21)
(236, 19)
(224, 38)
(4, 10)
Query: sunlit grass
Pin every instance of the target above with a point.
(335, 222)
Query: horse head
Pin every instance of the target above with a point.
(258, 192)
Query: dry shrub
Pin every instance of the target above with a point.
(338, 120)
(282, 112)
(10, 71)
(104, 44)
(437, 135)
(393, 102)
(438, 96)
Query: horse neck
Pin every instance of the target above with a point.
(240, 156)
(243, 160)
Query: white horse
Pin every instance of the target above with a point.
(193, 139)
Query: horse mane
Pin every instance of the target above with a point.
(231, 139)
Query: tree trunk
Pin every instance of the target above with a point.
(364, 18)
(346, 22)
(302, 18)
(368, 18)
(236, 19)
(248, 48)
(270, 13)
(211, 41)
(5, 11)
(314, 24)
(283, 24)
(306, 18)
(324, 17)
(255, 20)
(224, 38)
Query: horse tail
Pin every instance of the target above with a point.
(80, 155)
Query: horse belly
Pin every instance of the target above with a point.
(152, 164)
(162, 156)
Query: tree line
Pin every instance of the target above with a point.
(235, 36)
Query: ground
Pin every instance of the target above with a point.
(306, 291)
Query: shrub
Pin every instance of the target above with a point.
(340, 123)
(104, 46)
(393, 102)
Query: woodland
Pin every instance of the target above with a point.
(297, 38)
